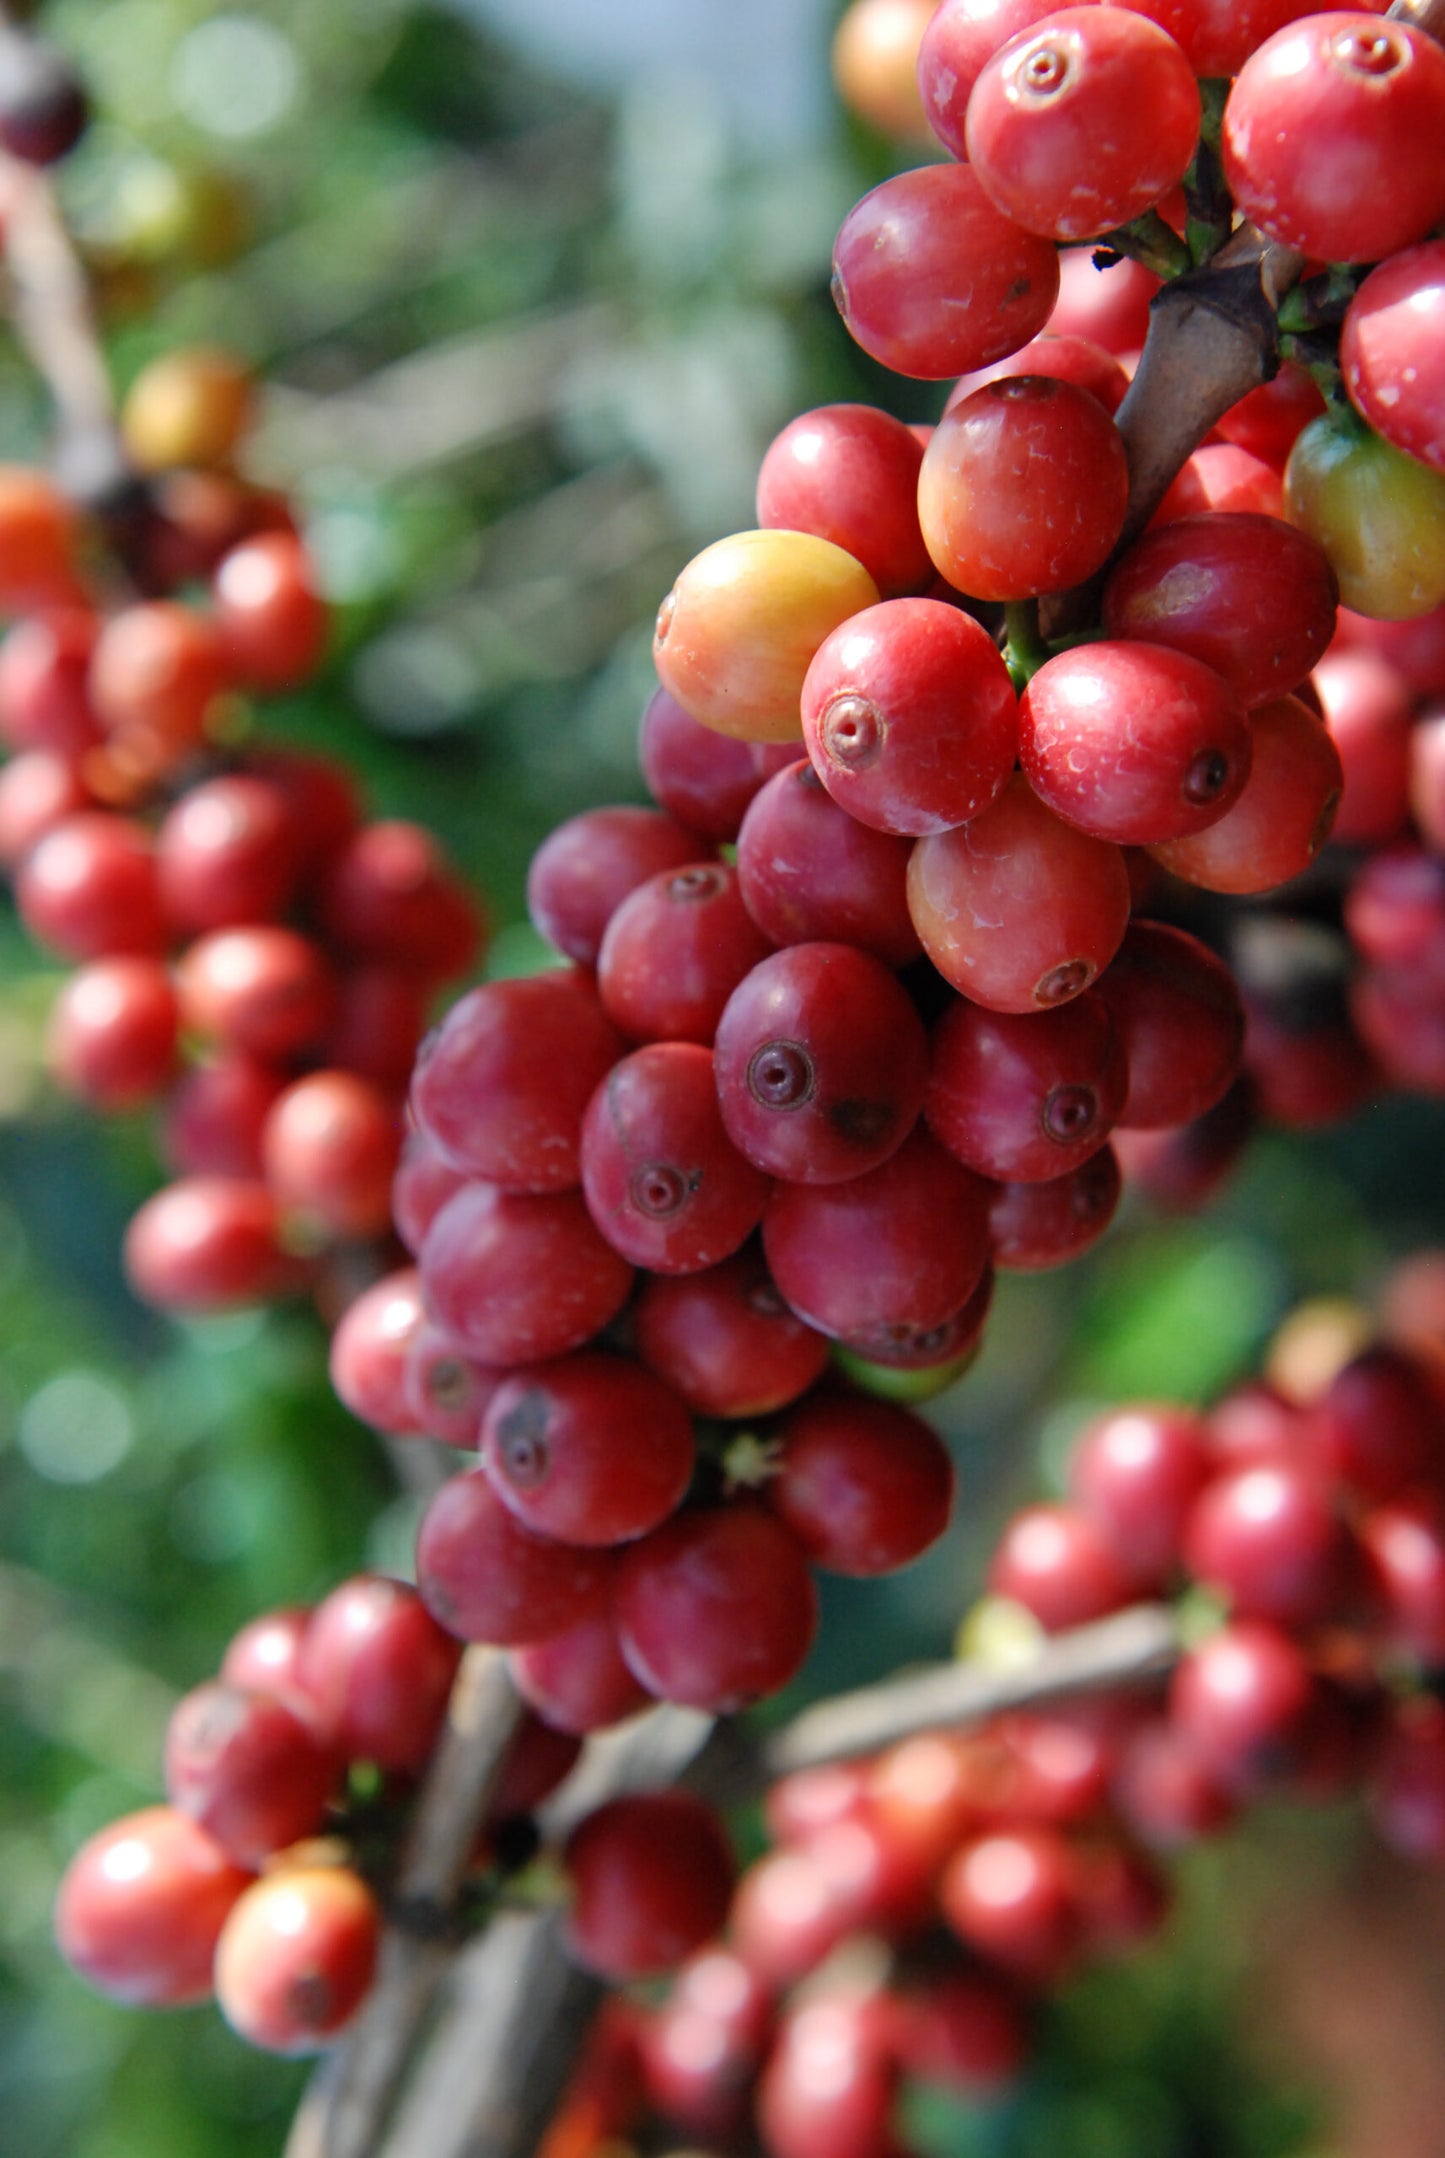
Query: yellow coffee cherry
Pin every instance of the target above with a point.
(189, 408)
(738, 630)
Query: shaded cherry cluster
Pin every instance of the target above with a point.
(264, 1877)
(916, 1909)
(250, 953)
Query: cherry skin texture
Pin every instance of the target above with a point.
(1023, 489)
(652, 1876)
(810, 872)
(886, 1257)
(141, 1906)
(1021, 1096)
(703, 778)
(717, 1608)
(586, 867)
(1017, 909)
(296, 1957)
(961, 38)
(1134, 742)
(931, 279)
(664, 1181)
(726, 1340)
(1317, 114)
(377, 1670)
(910, 717)
(1378, 515)
(1250, 596)
(519, 1276)
(849, 473)
(1177, 1010)
(1084, 123)
(1280, 821)
(591, 1449)
(821, 1062)
(735, 634)
(501, 1085)
(865, 1485)
(1392, 330)
(484, 1576)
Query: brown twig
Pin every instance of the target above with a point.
(54, 320)
(345, 2111)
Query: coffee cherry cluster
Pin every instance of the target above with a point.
(249, 953)
(264, 1876)
(948, 763)
(1164, 746)
(916, 1909)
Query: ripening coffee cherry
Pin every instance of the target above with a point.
(369, 1352)
(229, 854)
(377, 1669)
(1284, 815)
(1134, 742)
(652, 1876)
(738, 629)
(44, 682)
(1316, 115)
(273, 621)
(253, 1769)
(329, 1150)
(717, 1608)
(821, 1063)
(1377, 513)
(1176, 1008)
(1058, 1564)
(586, 867)
(578, 1681)
(849, 473)
(809, 872)
(210, 1243)
(296, 1957)
(910, 717)
(187, 408)
(1083, 123)
(1013, 1897)
(663, 1179)
(875, 64)
(1250, 596)
(1023, 489)
(500, 1087)
(931, 279)
(725, 1338)
(1021, 1096)
(88, 888)
(141, 1906)
(39, 531)
(1017, 909)
(112, 1034)
(264, 990)
(866, 1486)
(589, 1449)
(485, 1576)
(156, 675)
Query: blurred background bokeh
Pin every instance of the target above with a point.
(531, 286)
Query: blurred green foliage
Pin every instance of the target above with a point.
(523, 354)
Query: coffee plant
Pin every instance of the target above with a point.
(1006, 991)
